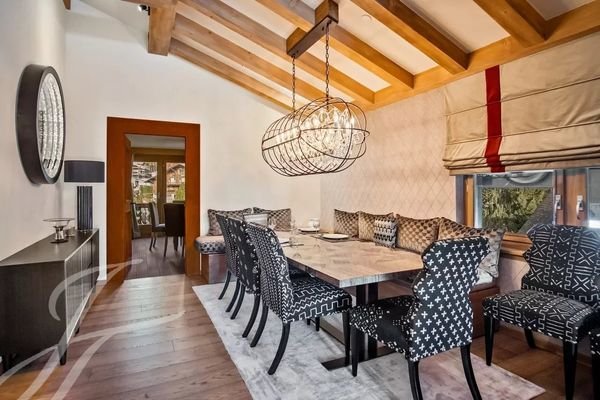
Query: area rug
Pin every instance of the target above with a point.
(301, 375)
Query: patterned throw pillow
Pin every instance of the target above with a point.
(345, 222)
(416, 234)
(384, 232)
(452, 230)
(366, 222)
(283, 217)
(213, 224)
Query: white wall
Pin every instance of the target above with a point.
(31, 32)
(111, 74)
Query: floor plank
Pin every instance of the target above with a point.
(153, 263)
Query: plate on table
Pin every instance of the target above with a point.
(335, 236)
(308, 229)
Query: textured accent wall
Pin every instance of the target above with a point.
(402, 170)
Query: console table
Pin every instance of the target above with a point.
(45, 290)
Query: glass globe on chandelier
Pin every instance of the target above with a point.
(324, 136)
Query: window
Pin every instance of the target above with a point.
(514, 201)
(594, 197)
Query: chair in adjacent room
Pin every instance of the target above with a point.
(595, 350)
(437, 318)
(559, 296)
(231, 257)
(292, 299)
(174, 225)
(155, 225)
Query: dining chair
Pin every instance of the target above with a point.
(155, 225)
(437, 318)
(174, 225)
(559, 295)
(292, 299)
(595, 350)
(231, 257)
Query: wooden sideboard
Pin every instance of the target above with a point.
(45, 290)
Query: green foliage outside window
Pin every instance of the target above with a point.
(180, 193)
(144, 194)
(516, 209)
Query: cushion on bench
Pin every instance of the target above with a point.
(210, 244)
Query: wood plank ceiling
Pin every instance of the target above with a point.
(382, 50)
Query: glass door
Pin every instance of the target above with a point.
(175, 182)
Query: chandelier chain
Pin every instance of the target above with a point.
(327, 60)
(294, 83)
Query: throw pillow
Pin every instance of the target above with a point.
(345, 222)
(283, 217)
(416, 234)
(366, 223)
(213, 225)
(384, 232)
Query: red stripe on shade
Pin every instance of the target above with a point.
(494, 119)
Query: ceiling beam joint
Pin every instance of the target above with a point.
(299, 41)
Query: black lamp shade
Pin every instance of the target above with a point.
(78, 171)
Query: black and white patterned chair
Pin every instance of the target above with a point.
(232, 264)
(437, 318)
(595, 350)
(292, 299)
(559, 296)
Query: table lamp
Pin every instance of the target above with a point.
(78, 171)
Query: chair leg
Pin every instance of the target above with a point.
(252, 316)
(346, 323)
(354, 349)
(465, 352)
(570, 364)
(415, 383)
(239, 302)
(530, 338)
(596, 375)
(235, 295)
(308, 321)
(261, 325)
(317, 324)
(151, 240)
(227, 279)
(285, 334)
(166, 242)
(489, 338)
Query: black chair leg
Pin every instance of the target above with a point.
(151, 240)
(261, 325)
(530, 338)
(354, 349)
(465, 352)
(239, 302)
(166, 242)
(6, 364)
(489, 323)
(235, 295)
(285, 334)
(346, 323)
(227, 279)
(596, 375)
(570, 364)
(252, 316)
(415, 383)
(317, 324)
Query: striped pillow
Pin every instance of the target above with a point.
(366, 222)
(384, 232)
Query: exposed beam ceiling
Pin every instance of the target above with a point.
(154, 3)
(160, 29)
(418, 32)
(227, 72)
(301, 15)
(187, 28)
(518, 18)
(262, 36)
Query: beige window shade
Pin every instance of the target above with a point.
(541, 112)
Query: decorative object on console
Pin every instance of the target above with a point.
(59, 225)
(40, 121)
(327, 134)
(77, 171)
(213, 224)
(384, 232)
(416, 234)
(345, 222)
(366, 223)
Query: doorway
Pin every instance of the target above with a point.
(123, 159)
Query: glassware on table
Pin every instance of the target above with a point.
(293, 232)
(315, 224)
(272, 223)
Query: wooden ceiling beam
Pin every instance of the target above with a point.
(302, 16)
(518, 18)
(572, 25)
(185, 27)
(160, 29)
(154, 3)
(415, 30)
(229, 73)
(262, 36)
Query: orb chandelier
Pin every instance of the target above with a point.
(324, 136)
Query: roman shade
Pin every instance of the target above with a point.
(540, 112)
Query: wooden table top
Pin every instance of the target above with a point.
(351, 262)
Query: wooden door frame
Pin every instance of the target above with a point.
(116, 226)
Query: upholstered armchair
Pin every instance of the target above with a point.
(439, 316)
(559, 296)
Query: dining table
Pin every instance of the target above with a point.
(351, 263)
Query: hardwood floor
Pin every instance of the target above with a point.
(153, 264)
(184, 358)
